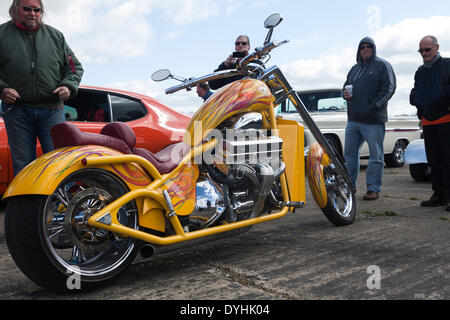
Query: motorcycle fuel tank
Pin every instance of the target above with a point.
(248, 95)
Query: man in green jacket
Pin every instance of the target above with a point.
(38, 71)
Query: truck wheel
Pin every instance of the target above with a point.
(396, 159)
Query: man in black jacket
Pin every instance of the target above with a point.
(374, 84)
(242, 45)
(431, 96)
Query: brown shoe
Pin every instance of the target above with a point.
(371, 195)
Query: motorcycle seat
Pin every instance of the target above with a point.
(67, 134)
(119, 136)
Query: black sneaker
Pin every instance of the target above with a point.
(434, 201)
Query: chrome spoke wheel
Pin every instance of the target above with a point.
(74, 245)
(341, 205)
(340, 194)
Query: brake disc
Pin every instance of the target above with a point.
(83, 206)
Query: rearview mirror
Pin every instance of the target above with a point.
(273, 21)
(161, 75)
(270, 23)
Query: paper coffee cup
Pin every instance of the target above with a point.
(349, 89)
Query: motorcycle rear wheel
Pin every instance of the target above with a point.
(51, 243)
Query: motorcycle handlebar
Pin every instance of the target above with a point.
(190, 83)
(260, 52)
(257, 54)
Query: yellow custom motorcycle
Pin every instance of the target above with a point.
(88, 208)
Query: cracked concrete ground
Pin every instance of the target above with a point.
(302, 256)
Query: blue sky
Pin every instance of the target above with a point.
(122, 42)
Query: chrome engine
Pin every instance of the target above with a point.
(243, 175)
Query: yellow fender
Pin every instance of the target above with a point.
(316, 160)
(42, 176)
(45, 174)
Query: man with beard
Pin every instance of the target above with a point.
(38, 71)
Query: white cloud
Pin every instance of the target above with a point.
(232, 7)
(109, 30)
(258, 4)
(328, 70)
(186, 11)
(173, 34)
(100, 31)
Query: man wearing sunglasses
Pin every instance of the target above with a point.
(431, 96)
(38, 71)
(374, 84)
(241, 50)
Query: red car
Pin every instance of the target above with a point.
(154, 124)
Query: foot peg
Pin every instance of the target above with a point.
(292, 204)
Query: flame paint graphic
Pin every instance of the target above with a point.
(72, 156)
(182, 189)
(239, 97)
(315, 175)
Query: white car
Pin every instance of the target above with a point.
(329, 111)
(416, 158)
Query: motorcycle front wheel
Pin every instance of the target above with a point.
(341, 202)
(51, 242)
(332, 191)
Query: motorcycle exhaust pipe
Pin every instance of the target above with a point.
(147, 251)
(267, 175)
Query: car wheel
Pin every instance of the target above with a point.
(396, 159)
(420, 172)
(333, 142)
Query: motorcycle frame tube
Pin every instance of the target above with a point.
(151, 192)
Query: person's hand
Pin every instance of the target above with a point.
(347, 95)
(63, 93)
(9, 96)
(231, 61)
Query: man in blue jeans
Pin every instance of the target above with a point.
(38, 71)
(374, 83)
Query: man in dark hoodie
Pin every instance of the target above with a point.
(431, 96)
(374, 84)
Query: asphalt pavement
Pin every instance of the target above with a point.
(395, 250)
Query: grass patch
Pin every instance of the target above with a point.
(382, 214)
(411, 198)
(443, 218)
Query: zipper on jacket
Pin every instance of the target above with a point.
(33, 62)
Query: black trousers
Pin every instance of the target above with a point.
(437, 146)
